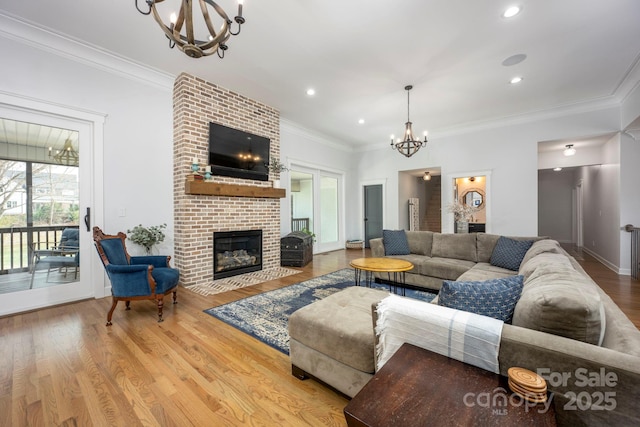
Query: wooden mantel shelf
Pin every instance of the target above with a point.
(232, 190)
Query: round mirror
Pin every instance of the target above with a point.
(473, 198)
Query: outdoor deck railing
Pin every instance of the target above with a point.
(299, 224)
(16, 244)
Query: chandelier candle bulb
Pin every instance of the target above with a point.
(240, 8)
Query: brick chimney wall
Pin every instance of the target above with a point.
(197, 102)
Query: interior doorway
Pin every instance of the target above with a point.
(467, 197)
(373, 212)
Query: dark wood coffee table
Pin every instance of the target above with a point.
(417, 387)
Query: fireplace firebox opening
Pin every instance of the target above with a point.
(236, 252)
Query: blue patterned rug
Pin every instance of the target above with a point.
(265, 316)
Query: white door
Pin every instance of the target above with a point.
(74, 198)
(316, 201)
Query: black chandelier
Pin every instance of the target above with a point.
(182, 33)
(410, 144)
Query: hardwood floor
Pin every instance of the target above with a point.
(63, 367)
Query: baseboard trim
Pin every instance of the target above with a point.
(606, 263)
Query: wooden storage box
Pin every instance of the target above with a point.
(296, 249)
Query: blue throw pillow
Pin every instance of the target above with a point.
(495, 298)
(395, 242)
(509, 253)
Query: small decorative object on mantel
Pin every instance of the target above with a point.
(276, 167)
(198, 173)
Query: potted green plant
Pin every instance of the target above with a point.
(310, 233)
(147, 237)
(276, 167)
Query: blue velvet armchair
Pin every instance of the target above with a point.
(134, 277)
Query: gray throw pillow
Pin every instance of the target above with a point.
(395, 242)
(508, 253)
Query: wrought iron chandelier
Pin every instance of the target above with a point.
(201, 40)
(67, 156)
(410, 144)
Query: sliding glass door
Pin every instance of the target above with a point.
(44, 193)
(316, 206)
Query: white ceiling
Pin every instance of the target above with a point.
(359, 55)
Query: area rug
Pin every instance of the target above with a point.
(265, 316)
(241, 281)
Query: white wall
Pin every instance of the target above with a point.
(601, 206)
(138, 131)
(304, 147)
(629, 195)
(509, 152)
(630, 109)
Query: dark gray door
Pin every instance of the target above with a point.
(372, 212)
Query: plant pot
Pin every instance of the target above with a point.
(276, 183)
(462, 227)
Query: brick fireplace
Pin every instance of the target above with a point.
(197, 102)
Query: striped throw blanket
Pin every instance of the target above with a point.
(463, 336)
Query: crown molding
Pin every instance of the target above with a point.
(633, 133)
(629, 82)
(30, 34)
(312, 135)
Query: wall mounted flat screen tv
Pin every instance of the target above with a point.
(238, 154)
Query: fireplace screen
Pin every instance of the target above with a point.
(236, 252)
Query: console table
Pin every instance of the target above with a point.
(417, 387)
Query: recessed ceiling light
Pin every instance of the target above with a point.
(511, 11)
(557, 169)
(514, 59)
(515, 80)
(311, 91)
(361, 121)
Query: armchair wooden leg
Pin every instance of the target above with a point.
(127, 305)
(160, 306)
(175, 297)
(113, 307)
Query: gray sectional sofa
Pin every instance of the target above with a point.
(564, 326)
(441, 256)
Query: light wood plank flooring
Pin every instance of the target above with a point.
(63, 367)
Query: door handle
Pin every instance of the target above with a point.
(87, 219)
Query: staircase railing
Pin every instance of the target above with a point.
(635, 243)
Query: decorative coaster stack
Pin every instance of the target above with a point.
(528, 385)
